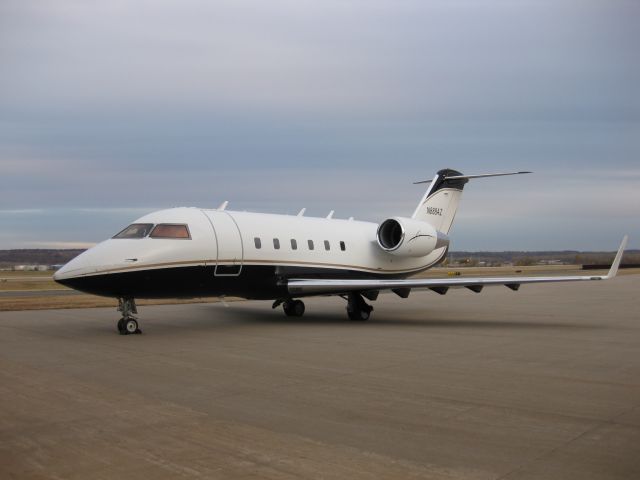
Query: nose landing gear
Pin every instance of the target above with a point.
(128, 324)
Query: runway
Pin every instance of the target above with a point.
(541, 383)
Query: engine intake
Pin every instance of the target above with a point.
(409, 238)
(390, 234)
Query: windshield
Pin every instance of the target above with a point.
(171, 230)
(135, 230)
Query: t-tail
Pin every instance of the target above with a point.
(439, 204)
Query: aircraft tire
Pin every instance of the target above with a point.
(293, 308)
(359, 315)
(131, 326)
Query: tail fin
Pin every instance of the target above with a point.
(439, 204)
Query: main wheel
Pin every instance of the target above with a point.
(293, 308)
(131, 326)
(121, 328)
(359, 315)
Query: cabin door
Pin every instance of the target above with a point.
(230, 248)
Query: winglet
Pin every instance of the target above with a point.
(616, 261)
(223, 205)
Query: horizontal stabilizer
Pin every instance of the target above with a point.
(469, 177)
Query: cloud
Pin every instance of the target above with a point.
(112, 109)
(386, 57)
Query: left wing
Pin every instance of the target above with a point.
(440, 285)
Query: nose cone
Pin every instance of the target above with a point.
(73, 273)
(81, 272)
(80, 265)
(62, 273)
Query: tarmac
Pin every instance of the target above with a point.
(543, 383)
(36, 293)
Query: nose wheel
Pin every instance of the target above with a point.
(128, 324)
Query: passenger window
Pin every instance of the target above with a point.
(343, 247)
(310, 243)
(170, 230)
(294, 244)
(135, 230)
(257, 242)
(276, 244)
(326, 245)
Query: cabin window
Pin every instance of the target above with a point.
(276, 244)
(257, 242)
(135, 230)
(294, 244)
(326, 245)
(310, 243)
(343, 247)
(171, 230)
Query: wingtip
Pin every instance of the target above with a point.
(613, 271)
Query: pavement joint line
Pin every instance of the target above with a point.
(471, 404)
(613, 419)
(528, 463)
(475, 404)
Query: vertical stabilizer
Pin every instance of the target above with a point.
(439, 204)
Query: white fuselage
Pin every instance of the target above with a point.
(233, 244)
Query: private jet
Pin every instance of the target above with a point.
(198, 252)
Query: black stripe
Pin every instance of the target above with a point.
(254, 282)
(443, 182)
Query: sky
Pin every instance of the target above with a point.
(112, 109)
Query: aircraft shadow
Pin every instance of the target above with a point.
(243, 316)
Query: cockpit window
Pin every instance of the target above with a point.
(170, 230)
(135, 230)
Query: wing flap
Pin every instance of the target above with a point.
(440, 285)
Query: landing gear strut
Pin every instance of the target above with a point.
(357, 308)
(128, 324)
(293, 308)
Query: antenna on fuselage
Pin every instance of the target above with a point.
(301, 212)
(330, 214)
(223, 205)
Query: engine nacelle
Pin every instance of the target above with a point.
(406, 237)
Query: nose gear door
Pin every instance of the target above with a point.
(230, 252)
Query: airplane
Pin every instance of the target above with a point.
(193, 252)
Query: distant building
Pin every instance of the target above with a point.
(31, 268)
(551, 262)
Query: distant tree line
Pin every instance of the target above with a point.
(566, 257)
(10, 258)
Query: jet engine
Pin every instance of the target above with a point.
(407, 237)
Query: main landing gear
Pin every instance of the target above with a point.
(128, 324)
(357, 308)
(291, 307)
